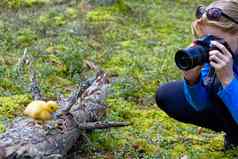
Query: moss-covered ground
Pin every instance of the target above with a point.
(134, 41)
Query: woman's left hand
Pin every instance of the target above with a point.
(222, 62)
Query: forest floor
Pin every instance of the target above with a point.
(134, 41)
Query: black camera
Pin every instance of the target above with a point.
(197, 54)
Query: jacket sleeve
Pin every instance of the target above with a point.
(197, 95)
(229, 96)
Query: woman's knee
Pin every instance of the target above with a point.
(166, 92)
(160, 96)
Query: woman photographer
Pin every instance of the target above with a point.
(214, 106)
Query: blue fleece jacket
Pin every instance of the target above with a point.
(198, 97)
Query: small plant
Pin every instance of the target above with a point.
(25, 37)
(16, 4)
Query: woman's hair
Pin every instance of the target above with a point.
(229, 7)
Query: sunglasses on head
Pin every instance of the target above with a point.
(213, 14)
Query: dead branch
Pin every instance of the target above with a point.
(25, 138)
(102, 125)
(82, 110)
(35, 90)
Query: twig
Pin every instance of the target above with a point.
(82, 92)
(67, 103)
(102, 125)
(24, 60)
(35, 90)
(21, 62)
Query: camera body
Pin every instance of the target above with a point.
(197, 54)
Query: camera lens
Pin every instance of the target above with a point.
(182, 59)
(190, 57)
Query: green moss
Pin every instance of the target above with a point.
(53, 19)
(30, 3)
(13, 105)
(71, 12)
(98, 15)
(16, 4)
(2, 128)
(25, 37)
(8, 87)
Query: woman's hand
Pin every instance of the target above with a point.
(222, 62)
(192, 75)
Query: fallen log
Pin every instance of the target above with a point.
(27, 139)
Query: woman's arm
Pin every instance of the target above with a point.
(229, 96)
(195, 92)
(222, 61)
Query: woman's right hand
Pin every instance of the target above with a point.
(192, 75)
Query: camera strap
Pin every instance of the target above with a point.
(210, 78)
